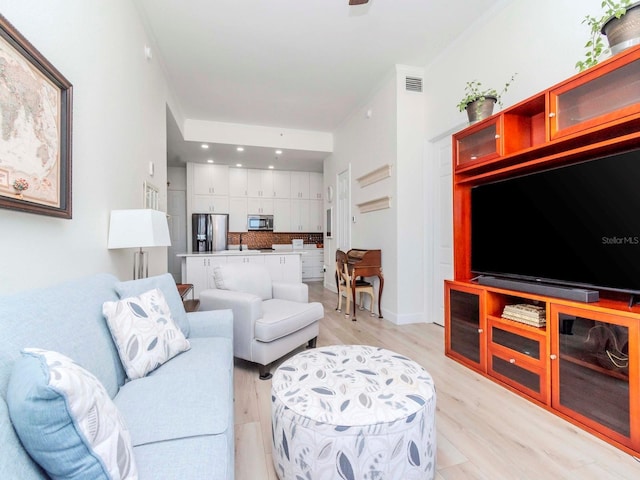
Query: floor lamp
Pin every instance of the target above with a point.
(138, 229)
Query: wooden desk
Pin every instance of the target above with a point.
(365, 263)
(190, 305)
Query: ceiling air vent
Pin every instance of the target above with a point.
(413, 84)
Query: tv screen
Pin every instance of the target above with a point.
(577, 225)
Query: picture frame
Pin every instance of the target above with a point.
(35, 161)
(329, 221)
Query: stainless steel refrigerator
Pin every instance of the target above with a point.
(209, 231)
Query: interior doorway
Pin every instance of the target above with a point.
(343, 217)
(177, 211)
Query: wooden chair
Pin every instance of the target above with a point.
(343, 280)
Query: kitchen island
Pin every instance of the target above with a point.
(284, 265)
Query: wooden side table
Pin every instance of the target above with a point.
(192, 304)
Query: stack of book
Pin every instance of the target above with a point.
(524, 313)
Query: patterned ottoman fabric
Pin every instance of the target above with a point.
(353, 412)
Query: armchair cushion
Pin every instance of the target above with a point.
(282, 317)
(295, 292)
(247, 278)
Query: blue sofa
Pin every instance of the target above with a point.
(180, 416)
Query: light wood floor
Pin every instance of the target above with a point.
(484, 431)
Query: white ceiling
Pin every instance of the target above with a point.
(299, 64)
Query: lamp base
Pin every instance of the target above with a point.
(140, 265)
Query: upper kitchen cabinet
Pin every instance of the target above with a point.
(210, 179)
(316, 186)
(281, 184)
(300, 185)
(238, 182)
(259, 183)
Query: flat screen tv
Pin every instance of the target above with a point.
(577, 225)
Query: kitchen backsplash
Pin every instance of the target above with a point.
(266, 239)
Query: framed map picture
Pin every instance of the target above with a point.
(35, 129)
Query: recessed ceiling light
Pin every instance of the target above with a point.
(278, 152)
(205, 146)
(238, 164)
(210, 161)
(271, 166)
(240, 149)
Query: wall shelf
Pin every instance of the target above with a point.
(375, 176)
(376, 204)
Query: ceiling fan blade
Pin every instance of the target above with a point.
(358, 2)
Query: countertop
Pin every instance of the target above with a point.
(234, 250)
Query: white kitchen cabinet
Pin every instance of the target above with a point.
(284, 268)
(235, 258)
(300, 185)
(209, 204)
(281, 184)
(316, 186)
(315, 217)
(299, 215)
(210, 179)
(282, 215)
(199, 272)
(237, 182)
(259, 183)
(313, 264)
(260, 206)
(238, 214)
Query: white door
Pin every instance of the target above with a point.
(177, 211)
(343, 216)
(439, 213)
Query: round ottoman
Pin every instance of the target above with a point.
(353, 412)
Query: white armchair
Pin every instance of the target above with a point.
(270, 319)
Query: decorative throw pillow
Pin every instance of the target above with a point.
(244, 277)
(66, 420)
(167, 285)
(144, 332)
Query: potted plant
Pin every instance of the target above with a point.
(479, 101)
(619, 22)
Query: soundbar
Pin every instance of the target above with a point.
(568, 293)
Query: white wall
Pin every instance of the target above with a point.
(387, 130)
(540, 40)
(119, 126)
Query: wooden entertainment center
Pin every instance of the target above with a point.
(584, 363)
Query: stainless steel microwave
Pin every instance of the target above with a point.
(260, 222)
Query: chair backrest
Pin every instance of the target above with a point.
(244, 277)
(341, 265)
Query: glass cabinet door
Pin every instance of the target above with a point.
(591, 370)
(588, 102)
(478, 144)
(465, 325)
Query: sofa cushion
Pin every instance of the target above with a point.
(282, 317)
(244, 277)
(66, 419)
(167, 285)
(158, 408)
(144, 332)
(205, 457)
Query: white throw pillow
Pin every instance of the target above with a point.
(244, 277)
(66, 420)
(144, 332)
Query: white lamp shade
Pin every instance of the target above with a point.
(138, 229)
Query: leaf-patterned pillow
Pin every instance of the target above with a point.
(66, 420)
(144, 332)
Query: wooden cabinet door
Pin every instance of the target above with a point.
(238, 214)
(238, 182)
(282, 215)
(465, 325)
(316, 186)
(300, 185)
(595, 371)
